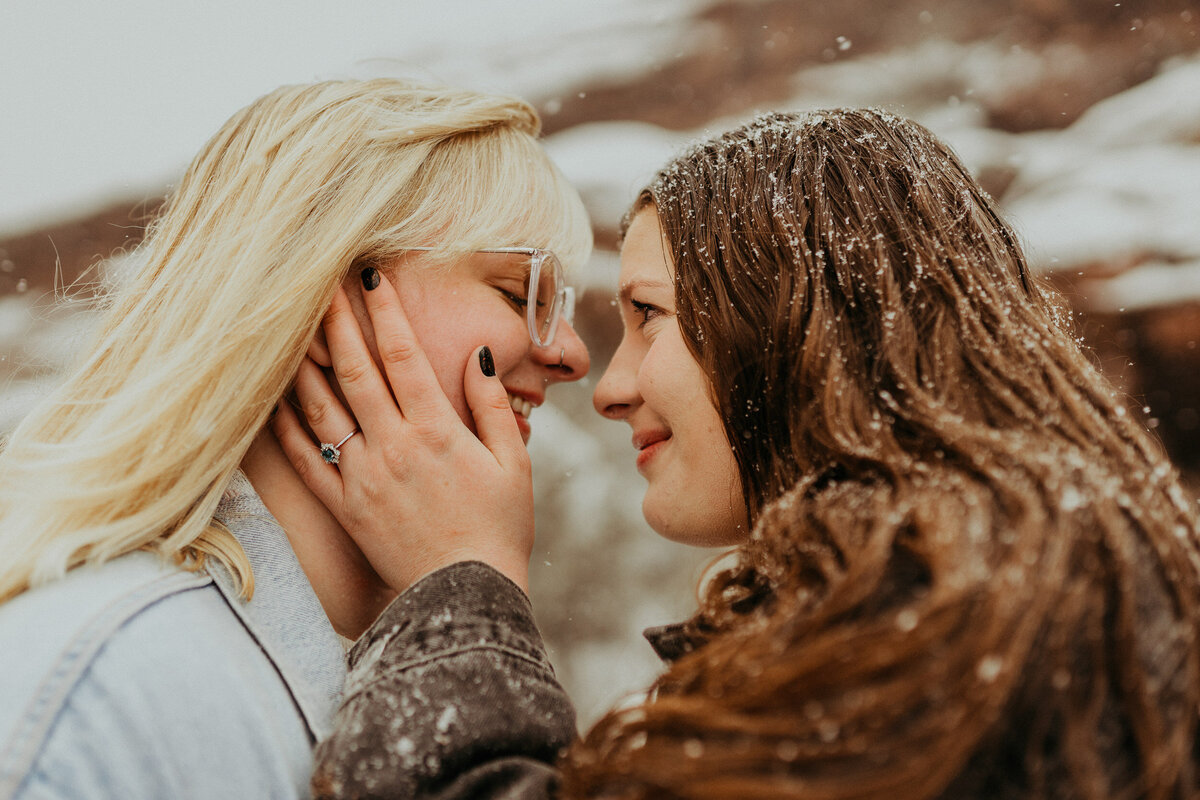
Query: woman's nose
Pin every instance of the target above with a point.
(566, 358)
(616, 392)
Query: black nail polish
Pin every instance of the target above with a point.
(486, 363)
(370, 278)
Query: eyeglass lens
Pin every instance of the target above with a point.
(546, 284)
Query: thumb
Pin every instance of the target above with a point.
(488, 400)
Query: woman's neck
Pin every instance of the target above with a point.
(350, 591)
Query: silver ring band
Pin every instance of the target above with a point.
(331, 452)
(562, 356)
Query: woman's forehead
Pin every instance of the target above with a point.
(645, 254)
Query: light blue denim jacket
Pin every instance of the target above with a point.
(138, 679)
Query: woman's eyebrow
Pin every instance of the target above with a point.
(508, 263)
(628, 289)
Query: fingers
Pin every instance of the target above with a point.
(324, 412)
(494, 420)
(321, 479)
(412, 379)
(357, 375)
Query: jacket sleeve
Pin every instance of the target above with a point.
(450, 695)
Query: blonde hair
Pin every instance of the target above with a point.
(134, 449)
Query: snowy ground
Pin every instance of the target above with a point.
(1121, 182)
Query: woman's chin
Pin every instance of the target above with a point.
(695, 528)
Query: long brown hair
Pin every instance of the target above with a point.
(972, 573)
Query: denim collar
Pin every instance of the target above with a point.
(284, 616)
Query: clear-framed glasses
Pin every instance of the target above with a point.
(548, 297)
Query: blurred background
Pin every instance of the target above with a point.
(1082, 117)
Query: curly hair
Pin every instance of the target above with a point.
(972, 573)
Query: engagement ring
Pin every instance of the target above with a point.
(330, 452)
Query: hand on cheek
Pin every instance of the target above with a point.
(416, 489)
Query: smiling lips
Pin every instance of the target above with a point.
(647, 443)
(521, 406)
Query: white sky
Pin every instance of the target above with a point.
(100, 101)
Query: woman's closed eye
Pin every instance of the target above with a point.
(519, 298)
(518, 301)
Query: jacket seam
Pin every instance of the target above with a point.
(312, 725)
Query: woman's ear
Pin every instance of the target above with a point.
(318, 349)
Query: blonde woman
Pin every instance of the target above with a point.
(170, 591)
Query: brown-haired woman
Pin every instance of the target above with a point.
(964, 571)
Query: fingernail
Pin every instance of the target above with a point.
(485, 362)
(370, 278)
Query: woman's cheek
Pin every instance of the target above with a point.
(665, 361)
